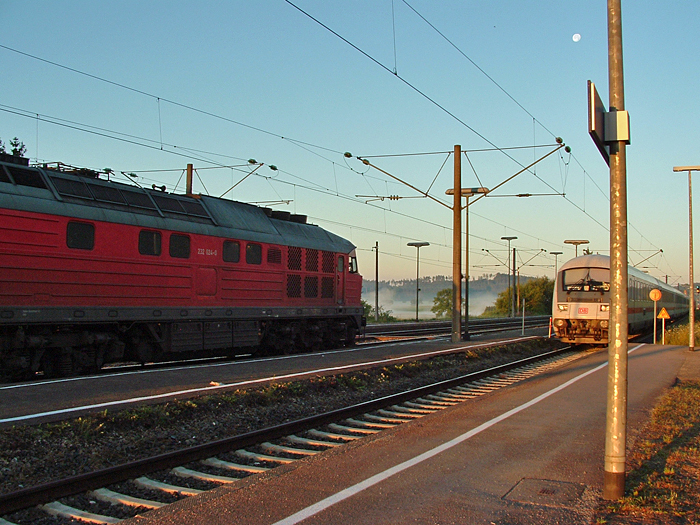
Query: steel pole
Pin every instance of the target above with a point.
(456, 248)
(616, 421)
(417, 278)
(513, 301)
(376, 281)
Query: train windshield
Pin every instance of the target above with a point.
(586, 280)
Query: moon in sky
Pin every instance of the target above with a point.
(576, 37)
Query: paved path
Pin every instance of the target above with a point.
(530, 453)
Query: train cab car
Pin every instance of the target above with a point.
(581, 302)
(93, 271)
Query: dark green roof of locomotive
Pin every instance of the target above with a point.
(91, 198)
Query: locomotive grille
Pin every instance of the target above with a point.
(274, 256)
(294, 286)
(310, 286)
(327, 287)
(294, 258)
(328, 264)
(311, 260)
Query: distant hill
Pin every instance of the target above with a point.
(400, 296)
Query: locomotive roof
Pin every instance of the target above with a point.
(85, 196)
(603, 261)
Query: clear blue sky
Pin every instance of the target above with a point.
(266, 82)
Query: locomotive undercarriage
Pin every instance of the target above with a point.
(68, 350)
(581, 330)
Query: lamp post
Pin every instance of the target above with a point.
(418, 246)
(467, 192)
(556, 268)
(691, 278)
(512, 307)
(576, 243)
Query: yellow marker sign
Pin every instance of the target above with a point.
(663, 314)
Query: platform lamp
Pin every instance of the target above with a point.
(576, 243)
(512, 296)
(691, 277)
(418, 246)
(467, 192)
(556, 268)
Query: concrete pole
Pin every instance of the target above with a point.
(456, 248)
(691, 313)
(616, 422)
(513, 305)
(466, 335)
(188, 183)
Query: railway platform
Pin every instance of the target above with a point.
(530, 453)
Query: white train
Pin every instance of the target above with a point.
(581, 302)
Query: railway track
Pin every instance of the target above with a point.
(476, 326)
(111, 494)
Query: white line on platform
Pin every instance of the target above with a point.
(377, 478)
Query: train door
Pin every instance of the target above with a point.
(340, 280)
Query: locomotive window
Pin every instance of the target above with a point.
(179, 246)
(80, 235)
(253, 253)
(27, 177)
(149, 242)
(168, 203)
(3, 175)
(586, 280)
(138, 200)
(106, 194)
(353, 265)
(73, 188)
(341, 264)
(232, 251)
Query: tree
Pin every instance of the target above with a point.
(442, 303)
(537, 294)
(18, 147)
(385, 316)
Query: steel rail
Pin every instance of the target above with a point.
(47, 492)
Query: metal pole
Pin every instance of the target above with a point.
(417, 278)
(513, 299)
(655, 322)
(456, 248)
(376, 281)
(616, 422)
(465, 336)
(188, 181)
(691, 291)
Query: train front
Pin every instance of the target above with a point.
(581, 303)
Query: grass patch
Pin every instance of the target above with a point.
(663, 483)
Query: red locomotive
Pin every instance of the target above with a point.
(93, 271)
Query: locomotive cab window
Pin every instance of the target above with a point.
(179, 246)
(80, 235)
(586, 280)
(353, 265)
(341, 264)
(253, 253)
(232, 251)
(149, 242)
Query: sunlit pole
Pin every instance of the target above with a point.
(691, 277)
(512, 309)
(456, 247)
(418, 246)
(467, 192)
(616, 421)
